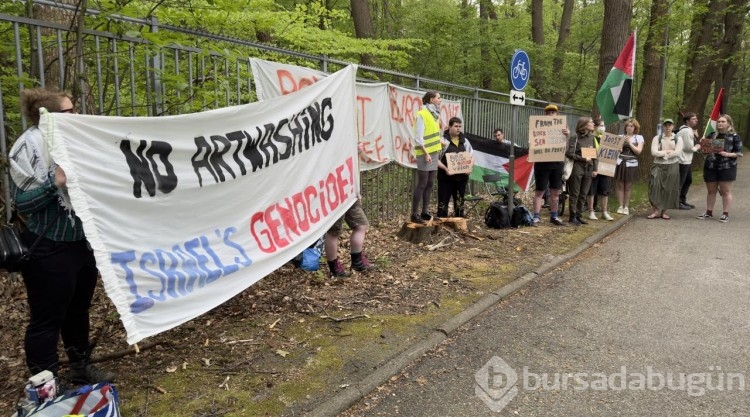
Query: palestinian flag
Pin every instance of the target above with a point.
(715, 114)
(614, 96)
(490, 157)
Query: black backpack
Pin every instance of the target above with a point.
(497, 216)
(521, 217)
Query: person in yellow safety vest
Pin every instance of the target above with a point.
(427, 147)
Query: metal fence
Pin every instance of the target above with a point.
(119, 75)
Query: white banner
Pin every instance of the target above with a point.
(184, 212)
(387, 112)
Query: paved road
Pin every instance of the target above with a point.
(615, 326)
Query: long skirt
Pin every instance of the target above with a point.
(664, 186)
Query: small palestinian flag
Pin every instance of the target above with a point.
(715, 114)
(614, 96)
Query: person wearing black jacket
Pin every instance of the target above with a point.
(452, 185)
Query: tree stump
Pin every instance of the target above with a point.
(457, 223)
(417, 233)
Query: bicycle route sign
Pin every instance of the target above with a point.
(520, 70)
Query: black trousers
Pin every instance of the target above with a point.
(686, 179)
(454, 189)
(60, 280)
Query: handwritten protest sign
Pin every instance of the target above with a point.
(458, 163)
(547, 142)
(609, 150)
(709, 145)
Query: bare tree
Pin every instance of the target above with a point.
(486, 13)
(537, 36)
(616, 30)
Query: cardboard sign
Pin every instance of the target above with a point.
(712, 145)
(458, 163)
(588, 153)
(547, 143)
(609, 151)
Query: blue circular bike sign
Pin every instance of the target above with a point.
(520, 70)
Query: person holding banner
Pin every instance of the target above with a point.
(61, 275)
(452, 184)
(581, 150)
(664, 183)
(627, 165)
(720, 168)
(427, 147)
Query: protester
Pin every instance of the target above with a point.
(583, 168)
(600, 184)
(720, 168)
(357, 221)
(61, 275)
(664, 183)
(499, 135)
(689, 135)
(627, 165)
(452, 185)
(548, 176)
(426, 149)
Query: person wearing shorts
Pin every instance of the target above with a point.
(548, 176)
(357, 221)
(720, 168)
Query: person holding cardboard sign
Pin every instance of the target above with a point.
(664, 183)
(581, 150)
(454, 167)
(720, 168)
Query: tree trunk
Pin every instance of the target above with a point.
(364, 27)
(647, 104)
(727, 42)
(617, 16)
(486, 13)
(537, 36)
(559, 61)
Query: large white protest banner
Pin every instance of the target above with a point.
(184, 212)
(274, 80)
(386, 112)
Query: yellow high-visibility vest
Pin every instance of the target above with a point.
(431, 133)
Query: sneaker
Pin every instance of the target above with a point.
(592, 216)
(625, 211)
(724, 218)
(337, 269)
(426, 216)
(705, 216)
(416, 219)
(684, 206)
(606, 216)
(363, 264)
(535, 222)
(620, 210)
(557, 221)
(692, 206)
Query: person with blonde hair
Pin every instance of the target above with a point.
(626, 171)
(720, 168)
(61, 274)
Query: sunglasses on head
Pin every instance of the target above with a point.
(70, 110)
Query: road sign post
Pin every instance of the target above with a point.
(520, 73)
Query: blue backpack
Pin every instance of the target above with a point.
(521, 217)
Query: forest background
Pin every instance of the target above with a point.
(694, 46)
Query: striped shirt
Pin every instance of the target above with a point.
(40, 207)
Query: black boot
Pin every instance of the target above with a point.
(574, 220)
(81, 370)
(360, 262)
(580, 219)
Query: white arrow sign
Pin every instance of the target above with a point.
(518, 98)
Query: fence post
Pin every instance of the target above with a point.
(324, 63)
(417, 81)
(475, 111)
(158, 104)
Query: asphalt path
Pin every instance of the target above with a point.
(654, 320)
